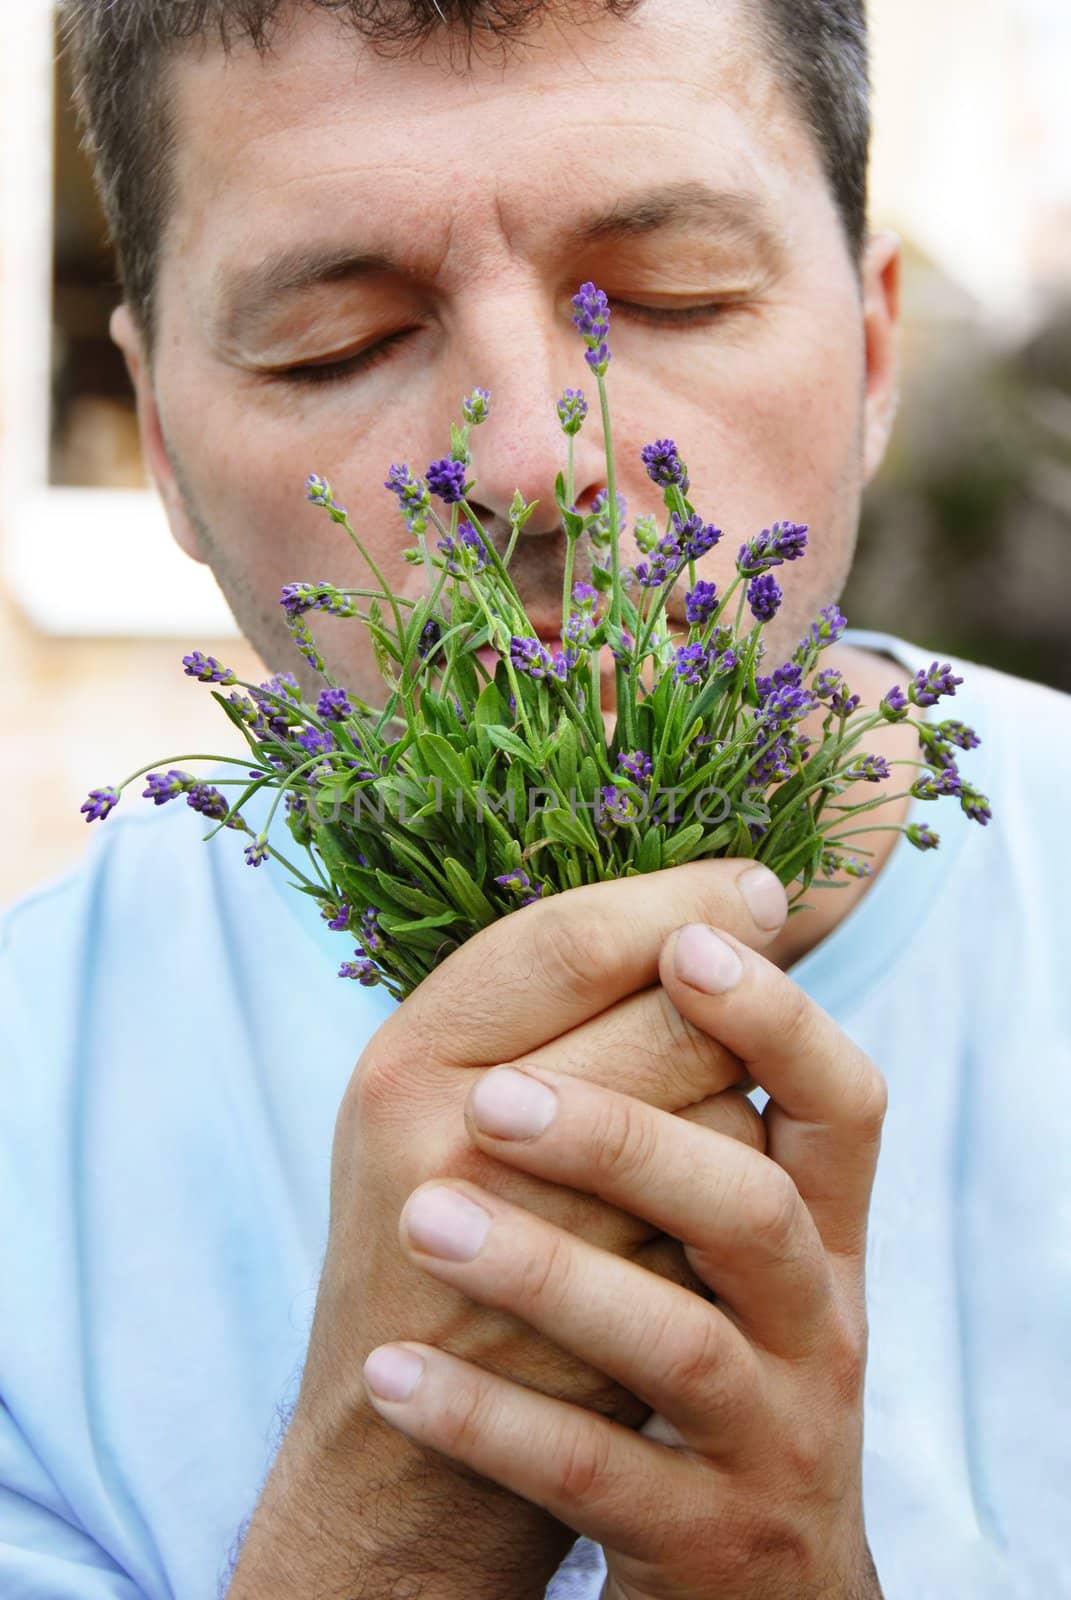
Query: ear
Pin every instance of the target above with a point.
(881, 323)
(127, 335)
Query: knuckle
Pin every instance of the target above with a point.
(695, 1064)
(873, 1099)
(565, 953)
(622, 1140)
(692, 1360)
(544, 1276)
(773, 1213)
(583, 1457)
(845, 1353)
(468, 1419)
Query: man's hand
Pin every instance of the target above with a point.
(745, 1484)
(351, 1507)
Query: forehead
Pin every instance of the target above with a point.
(443, 167)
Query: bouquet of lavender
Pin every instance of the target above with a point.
(488, 778)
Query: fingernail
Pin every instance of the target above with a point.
(393, 1373)
(706, 962)
(446, 1224)
(764, 896)
(511, 1105)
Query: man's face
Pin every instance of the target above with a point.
(478, 189)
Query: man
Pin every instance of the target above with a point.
(661, 1342)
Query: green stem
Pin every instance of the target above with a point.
(622, 688)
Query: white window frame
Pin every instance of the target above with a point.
(76, 561)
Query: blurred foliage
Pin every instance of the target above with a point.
(965, 537)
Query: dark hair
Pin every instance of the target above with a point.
(119, 51)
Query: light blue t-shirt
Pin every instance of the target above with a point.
(174, 1046)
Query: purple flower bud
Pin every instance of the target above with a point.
(302, 636)
(616, 808)
(843, 703)
(516, 880)
(100, 802)
(933, 785)
(788, 676)
(477, 406)
(694, 536)
(162, 786)
(257, 852)
(867, 769)
(922, 836)
(446, 478)
(530, 656)
(366, 972)
(585, 596)
(315, 743)
(959, 734)
(692, 662)
(827, 682)
(785, 541)
(320, 493)
(664, 465)
(894, 706)
(764, 596)
(207, 669)
(333, 705)
(637, 765)
(701, 602)
(467, 553)
(591, 313)
(572, 409)
(413, 497)
(430, 635)
(337, 917)
(296, 598)
(975, 805)
(928, 685)
(579, 627)
(826, 631)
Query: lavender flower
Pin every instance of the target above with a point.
(579, 627)
(515, 880)
(975, 805)
(694, 536)
(446, 478)
(637, 765)
(788, 676)
(585, 596)
(931, 786)
(922, 836)
(530, 656)
(665, 566)
(572, 409)
(337, 917)
(664, 465)
(645, 532)
(825, 632)
(315, 743)
(784, 706)
(371, 935)
(701, 602)
(430, 634)
(319, 491)
(959, 734)
(467, 553)
(826, 683)
(100, 802)
(868, 769)
(843, 703)
(207, 669)
(413, 497)
(894, 706)
(366, 972)
(928, 685)
(764, 596)
(692, 662)
(257, 852)
(162, 786)
(616, 808)
(591, 314)
(210, 802)
(333, 705)
(302, 637)
(477, 407)
(785, 541)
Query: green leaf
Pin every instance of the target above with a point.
(568, 829)
(409, 895)
(565, 752)
(395, 925)
(468, 894)
(649, 855)
(444, 762)
(683, 845)
(490, 709)
(516, 747)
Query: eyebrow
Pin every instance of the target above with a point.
(739, 216)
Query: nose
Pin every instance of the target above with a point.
(526, 351)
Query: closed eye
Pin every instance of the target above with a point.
(329, 372)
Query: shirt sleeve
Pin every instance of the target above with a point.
(581, 1574)
(44, 1555)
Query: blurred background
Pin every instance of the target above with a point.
(966, 535)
